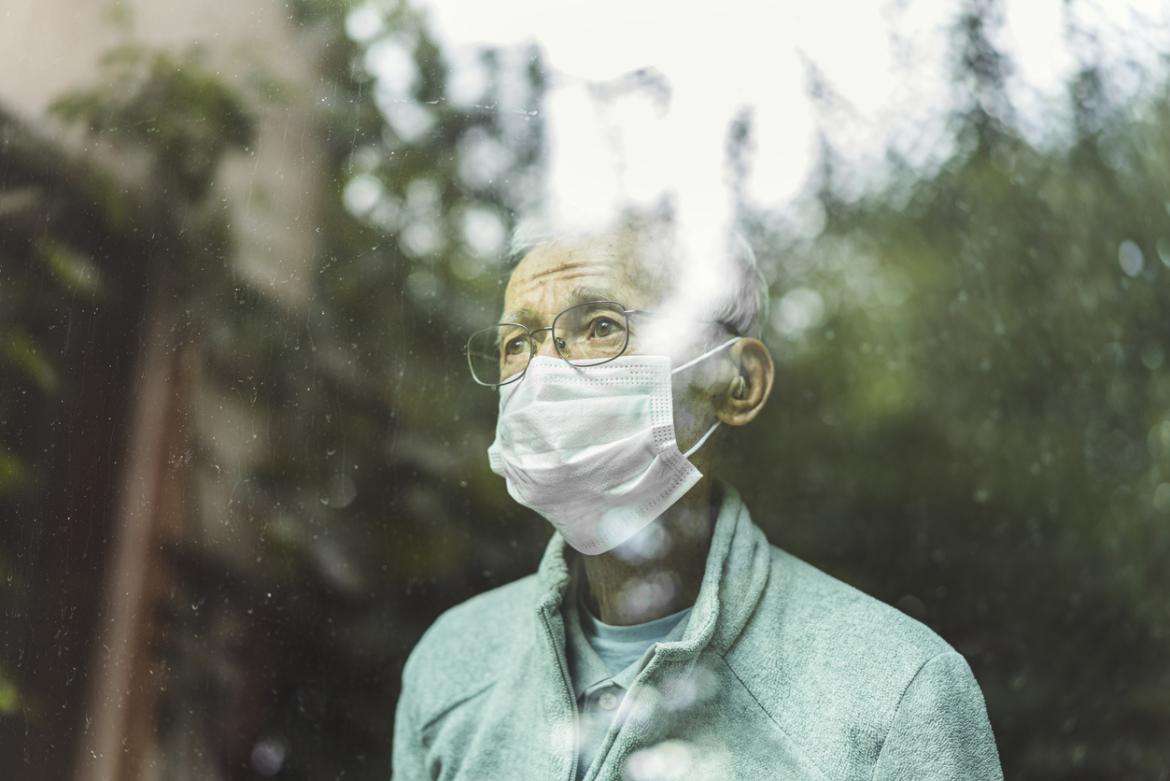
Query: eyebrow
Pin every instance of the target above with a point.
(523, 316)
(585, 294)
(580, 295)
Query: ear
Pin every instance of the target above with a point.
(744, 395)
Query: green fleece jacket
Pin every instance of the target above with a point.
(783, 672)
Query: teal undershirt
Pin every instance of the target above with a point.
(621, 646)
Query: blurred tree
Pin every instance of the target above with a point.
(172, 106)
(361, 505)
(74, 246)
(283, 659)
(36, 292)
(974, 411)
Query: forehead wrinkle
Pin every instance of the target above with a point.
(528, 284)
(581, 267)
(617, 275)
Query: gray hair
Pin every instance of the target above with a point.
(742, 304)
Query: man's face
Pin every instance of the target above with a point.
(556, 276)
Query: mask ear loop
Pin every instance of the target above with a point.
(703, 439)
(707, 354)
(695, 447)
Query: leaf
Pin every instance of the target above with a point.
(13, 474)
(73, 270)
(9, 696)
(20, 352)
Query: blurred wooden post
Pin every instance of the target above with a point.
(124, 679)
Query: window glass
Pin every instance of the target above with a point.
(244, 422)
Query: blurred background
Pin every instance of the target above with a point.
(243, 466)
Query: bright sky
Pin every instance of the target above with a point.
(886, 59)
(721, 57)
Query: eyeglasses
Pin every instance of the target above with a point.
(584, 335)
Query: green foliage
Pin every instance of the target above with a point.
(972, 422)
(361, 503)
(20, 352)
(72, 270)
(9, 696)
(186, 116)
(40, 280)
(13, 473)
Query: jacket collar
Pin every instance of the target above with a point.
(733, 580)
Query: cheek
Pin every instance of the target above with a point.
(692, 410)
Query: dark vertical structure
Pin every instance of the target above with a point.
(62, 529)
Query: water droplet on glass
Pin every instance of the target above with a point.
(1129, 255)
(268, 757)
(1163, 249)
(340, 491)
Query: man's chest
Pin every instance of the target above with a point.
(696, 722)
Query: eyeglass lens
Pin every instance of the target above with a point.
(584, 335)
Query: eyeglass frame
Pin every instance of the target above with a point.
(530, 333)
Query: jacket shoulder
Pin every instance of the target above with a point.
(461, 653)
(816, 645)
(834, 615)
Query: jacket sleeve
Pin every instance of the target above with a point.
(940, 729)
(408, 753)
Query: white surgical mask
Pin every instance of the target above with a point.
(593, 449)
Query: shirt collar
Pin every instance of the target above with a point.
(587, 669)
(733, 581)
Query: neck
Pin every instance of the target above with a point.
(659, 570)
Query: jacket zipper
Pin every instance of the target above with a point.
(566, 690)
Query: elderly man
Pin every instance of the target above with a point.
(662, 636)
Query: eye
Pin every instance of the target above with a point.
(515, 346)
(603, 327)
